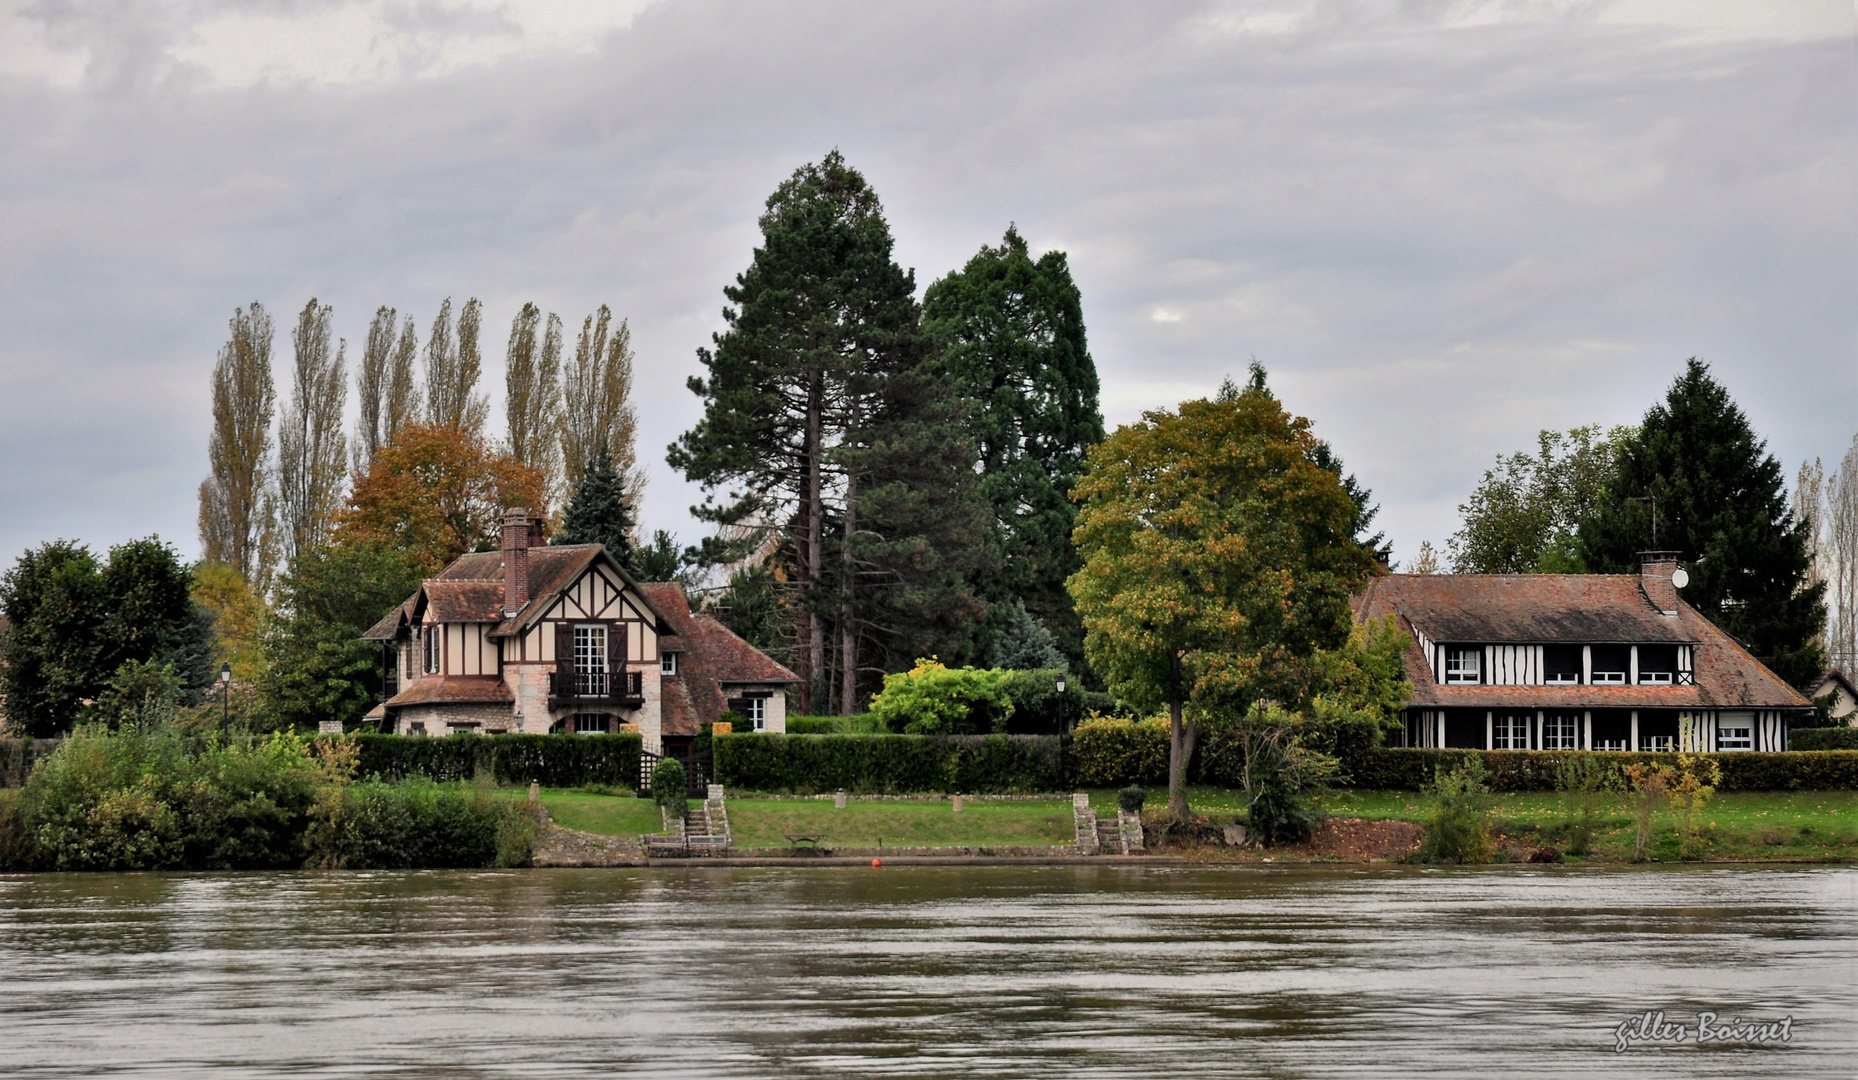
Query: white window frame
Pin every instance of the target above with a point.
(1609, 678)
(1510, 731)
(1561, 731)
(1735, 738)
(1464, 667)
(1656, 678)
(757, 714)
(667, 663)
(590, 660)
(1660, 744)
(431, 638)
(583, 723)
(1563, 678)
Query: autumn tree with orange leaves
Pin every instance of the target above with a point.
(436, 493)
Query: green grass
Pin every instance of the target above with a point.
(608, 815)
(766, 823)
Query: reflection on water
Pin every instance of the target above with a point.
(921, 971)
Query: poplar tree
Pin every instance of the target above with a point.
(1009, 336)
(398, 397)
(453, 365)
(597, 410)
(233, 525)
(1697, 480)
(532, 390)
(373, 387)
(312, 453)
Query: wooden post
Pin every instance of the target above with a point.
(1634, 744)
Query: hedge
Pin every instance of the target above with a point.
(888, 764)
(1535, 770)
(553, 760)
(1823, 738)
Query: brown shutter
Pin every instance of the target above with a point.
(564, 658)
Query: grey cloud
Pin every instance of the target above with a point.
(1439, 240)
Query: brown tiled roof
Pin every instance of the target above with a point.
(677, 712)
(465, 601)
(1539, 609)
(389, 626)
(470, 589)
(711, 657)
(454, 690)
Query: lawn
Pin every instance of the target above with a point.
(766, 823)
(608, 815)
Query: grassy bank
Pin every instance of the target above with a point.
(608, 815)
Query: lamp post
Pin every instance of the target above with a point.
(1061, 728)
(225, 697)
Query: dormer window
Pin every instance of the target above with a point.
(1463, 666)
(1657, 665)
(1561, 665)
(1610, 664)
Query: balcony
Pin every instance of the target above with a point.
(625, 689)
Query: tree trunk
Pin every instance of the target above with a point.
(848, 632)
(1180, 748)
(815, 526)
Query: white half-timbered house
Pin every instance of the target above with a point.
(535, 638)
(1577, 662)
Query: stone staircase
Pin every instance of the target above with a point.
(711, 835)
(1119, 835)
(1089, 840)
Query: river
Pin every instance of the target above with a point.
(972, 971)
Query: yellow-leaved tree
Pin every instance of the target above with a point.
(1219, 549)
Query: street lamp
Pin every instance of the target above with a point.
(1061, 731)
(225, 697)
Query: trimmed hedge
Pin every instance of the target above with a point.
(888, 764)
(1535, 770)
(552, 760)
(1823, 738)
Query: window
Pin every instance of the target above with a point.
(1561, 665)
(419, 727)
(590, 661)
(667, 663)
(1610, 664)
(1610, 744)
(1660, 744)
(1735, 738)
(1463, 666)
(430, 637)
(755, 711)
(590, 723)
(1510, 731)
(1657, 665)
(1561, 731)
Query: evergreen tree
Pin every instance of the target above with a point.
(663, 560)
(1697, 480)
(600, 512)
(1009, 338)
(1026, 645)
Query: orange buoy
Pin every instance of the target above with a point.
(877, 862)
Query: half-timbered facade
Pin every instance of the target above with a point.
(535, 638)
(1576, 662)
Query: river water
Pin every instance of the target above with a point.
(1009, 971)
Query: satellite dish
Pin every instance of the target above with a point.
(1679, 578)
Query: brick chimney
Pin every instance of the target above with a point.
(516, 537)
(1655, 570)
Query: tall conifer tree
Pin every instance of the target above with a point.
(601, 513)
(1720, 501)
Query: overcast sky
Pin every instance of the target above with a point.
(1441, 226)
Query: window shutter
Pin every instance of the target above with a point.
(616, 649)
(564, 652)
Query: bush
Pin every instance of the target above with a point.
(1131, 798)
(1585, 782)
(934, 699)
(888, 764)
(1458, 828)
(1402, 769)
(1107, 751)
(862, 724)
(670, 787)
(15, 851)
(418, 824)
(1827, 738)
(1038, 709)
(551, 760)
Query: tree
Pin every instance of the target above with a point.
(663, 560)
(1218, 557)
(1526, 514)
(453, 365)
(1697, 480)
(398, 408)
(601, 513)
(1026, 645)
(238, 619)
(597, 402)
(1008, 334)
(1427, 561)
(312, 453)
(1841, 531)
(435, 494)
(233, 527)
(72, 623)
(317, 667)
(532, 391)
(820, 426)
(374, 389)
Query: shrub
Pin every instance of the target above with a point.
(1038, 708)
(1650, 785)
(1403, 769)
(934, 699)
(1584, 781)
(1131, 798)
(862, 724)
(418, 824)
(1697, 778)
(888, 764)
(1458, 827)
(551, 760)
(1106, 751)
(1829, 738)
(1280, 776)
(15, 849)
(670, 787)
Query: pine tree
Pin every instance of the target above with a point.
(1697, 480)
(312, 454)
(1026, 645)
(600, 512)
(1009, 338)
(233, 526)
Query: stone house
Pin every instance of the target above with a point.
(535, 639)
(1577, 662)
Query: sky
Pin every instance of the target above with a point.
(1441, 227)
